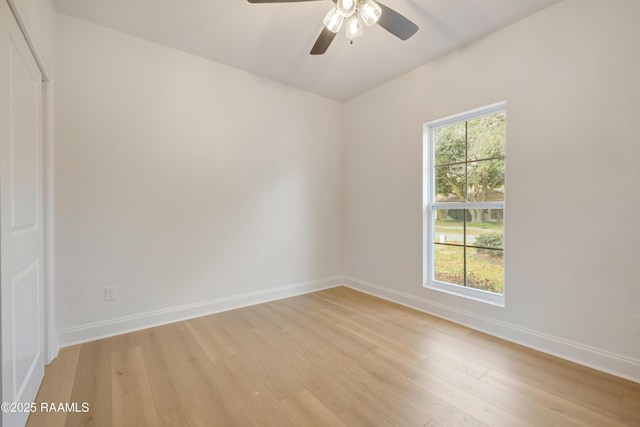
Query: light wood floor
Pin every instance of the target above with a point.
(332, 358)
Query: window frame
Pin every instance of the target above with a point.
(430, 206)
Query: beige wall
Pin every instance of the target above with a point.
(569, 75)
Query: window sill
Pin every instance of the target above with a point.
(469, 293)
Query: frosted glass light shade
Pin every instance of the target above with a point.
(346, 7)
(333, 20)
(354, 28)
(370, 12)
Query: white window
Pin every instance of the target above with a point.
(464, 171)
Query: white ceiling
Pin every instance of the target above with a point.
(273, 40)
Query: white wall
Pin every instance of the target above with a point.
(569, 75)
(181, 181)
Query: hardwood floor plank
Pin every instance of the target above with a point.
(268, 370)
(568, 409)
(214, 345)
(325, 387)
(346, 341)
(207, 384)
(260, 404)
(168, 387)
(365, 388)
(536, 415)
(61, 375)
(273, 318)
(93, 384)
(411, 381)
(564, 374)
(332, 358)
(131, 392)
(309, 411)
(631, 398)
(347, 299)
(186, 414)
(580, 385)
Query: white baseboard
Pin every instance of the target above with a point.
(614, 364)
(601, 360)
(109, 328)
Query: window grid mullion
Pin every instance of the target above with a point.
(469, 161)
(466, 194)
(468, 205)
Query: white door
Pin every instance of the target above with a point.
(21, 220)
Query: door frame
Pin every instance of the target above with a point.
(50, 337)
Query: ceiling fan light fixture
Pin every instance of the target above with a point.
(333, 20)
(356, 12)
(370, 12)
(346, 8)
(354, 28)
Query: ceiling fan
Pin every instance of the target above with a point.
(356, 12)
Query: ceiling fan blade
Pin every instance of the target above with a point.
(278, 1)
(322, 43)
(396, 23)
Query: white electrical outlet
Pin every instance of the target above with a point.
(109, 294)
(365, 264)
